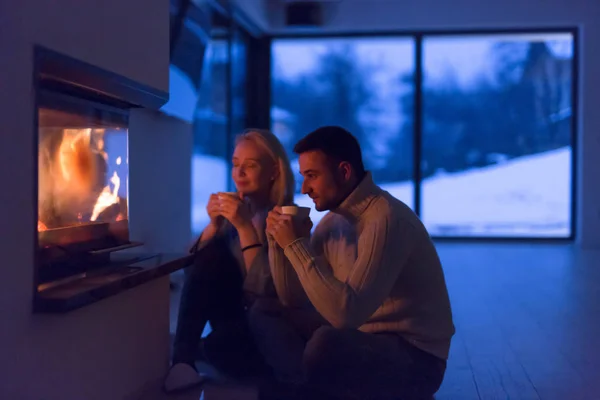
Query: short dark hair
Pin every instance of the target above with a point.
(335, 142)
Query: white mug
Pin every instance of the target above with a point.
(300, 212)
(221, 194)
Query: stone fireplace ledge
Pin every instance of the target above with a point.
(108, 282)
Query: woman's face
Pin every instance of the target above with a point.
(253, 170)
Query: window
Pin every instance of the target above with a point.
(239, 49)
(200, 98)
(363, 84)
(497, 135)
(199, 94)
(495, 128)
(210, 161)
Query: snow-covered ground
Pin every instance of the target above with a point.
(528, 196)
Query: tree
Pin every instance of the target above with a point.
(399, 162)
(508, 113)
(337, 92)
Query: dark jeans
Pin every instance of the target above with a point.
(315, 360)
(342, 363)
(213, 293)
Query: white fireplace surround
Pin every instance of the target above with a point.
(110, 349)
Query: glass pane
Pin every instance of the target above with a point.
(239, 46)
(83, 174)
(209, 162)
(362, 84)
(497, 137)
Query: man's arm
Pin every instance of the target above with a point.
(384, 246)
(288, 286)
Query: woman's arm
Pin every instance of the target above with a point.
(250, 243)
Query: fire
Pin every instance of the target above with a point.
(108, 197)
(77, 162)
(41, 226)
(69, 175)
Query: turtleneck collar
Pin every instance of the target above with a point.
(359, 199)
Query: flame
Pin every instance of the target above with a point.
(76, 160)
(41, 226)
(107, 198)
(70, 177)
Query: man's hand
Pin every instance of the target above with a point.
(285, 228)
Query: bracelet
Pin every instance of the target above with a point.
(252, 246)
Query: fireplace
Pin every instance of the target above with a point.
(82, 182)
(82, 126)
(82, 174)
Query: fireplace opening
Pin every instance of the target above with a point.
(83, 172)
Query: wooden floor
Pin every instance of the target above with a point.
(527, 320)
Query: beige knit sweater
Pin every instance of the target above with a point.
(370, 265)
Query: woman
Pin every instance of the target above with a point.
(232, 267)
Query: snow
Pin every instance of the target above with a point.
(527, 196)
(209, 175)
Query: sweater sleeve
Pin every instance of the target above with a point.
(384, 246)
(287, 285)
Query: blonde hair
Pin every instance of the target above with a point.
(282, 190)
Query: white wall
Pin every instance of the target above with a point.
(387, 15)
(160, 178)
(111, 348)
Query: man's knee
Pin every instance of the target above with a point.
(265, 307)
(324, 339)
(262, 312)
(322, 352)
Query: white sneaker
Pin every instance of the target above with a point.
(181, 376)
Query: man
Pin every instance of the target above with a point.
(371, 272)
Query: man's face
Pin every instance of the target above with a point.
(323, 180)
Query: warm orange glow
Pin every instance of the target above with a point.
(108, 197)
(41, 226)
(69, 177)
(77, 162)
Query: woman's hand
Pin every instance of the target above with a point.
(213, 208)
(235, 211)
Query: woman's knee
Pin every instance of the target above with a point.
(262, 311)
